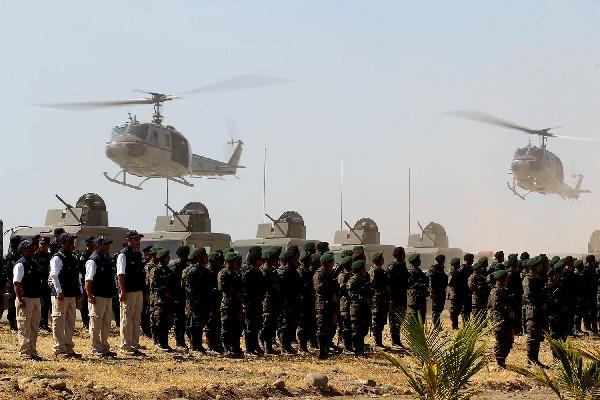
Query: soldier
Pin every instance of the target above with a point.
(418, 287)
(326, 303)
(42, 258)
(307, 321)
(100, 289)
(535, 304)
(195, 281)
(397, 276)
(524, 256)
(438, 281)
(163, 289)
(466, 271)
(558, 309)
(65, 285)
(380, 304)
(589, 276)
(27, 281)
(180, 316)
(252, 298)
(10, 261)
(290, 287)
(501, 315)
(83, 257)
(359, 295)
(148, 269)
(514, 284)
(569, 281)
(213, 327)
(271, 300)
(582, 303)
(230, 285)
(457, 284)
(479, 290)
(344, 321)
(132, 285)
(148, 258)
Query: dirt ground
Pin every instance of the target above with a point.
(175, 375)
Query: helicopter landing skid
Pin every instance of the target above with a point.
(513, 189)
(123, 180)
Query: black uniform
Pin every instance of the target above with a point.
(252, 297)
(397, 274)
(359, 294)
(418, 291)
(558, 310)
(569, 281)
(501, 314)
(514, 284)
(195, 281)
(179, 303)
(534, 299)
(307, 331)
(591, 288)
(438, 281)
(380, 302)
(290, 289)
(213, 327)
(466, 271)
(326, 307)
(457, 290)
(230, 285)
(42, 258)
(271, 307)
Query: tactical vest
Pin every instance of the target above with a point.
(31, 284)
(135, 276)
(68, 276)
(103, 283)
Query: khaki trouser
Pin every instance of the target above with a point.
(100, 317)
(28, 324)
(63, 324)
(131, 319)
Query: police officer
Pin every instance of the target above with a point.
(438, 281)
(83, 257)
(397, 275)
(132, 284)
(27, 281)
(479, 289)
(326, 303)
(213, 327)
(381, 301)
(290, 287)
(271, 300)
(418, 287)
(163, 289)
(534, 300)
(466, 270)
(66, 288)
(307, 325)
(230, 285)
(180, 316)
(360, 295)
(100, 289)
(344, 321)
(252, 297)
(501, 315)
(42, 258)
(195, 281)
(457, 284)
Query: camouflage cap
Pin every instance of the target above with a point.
(232, 256)
(346, 260)
(196, 253)
(413, 257)
(376, 256)
(309, 246)
(477, 265)
(455, 261)
(358, 264)
(500, 273)
(560, 264)
(215, 255)
(327, 257)
(162, 253)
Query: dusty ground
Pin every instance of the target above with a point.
(169, 376)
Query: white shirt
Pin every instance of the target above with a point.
(55, 268)
(121, 263)
(90, 270)
(18, 273)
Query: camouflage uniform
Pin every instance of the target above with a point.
(290, 291)
(271, 306)
(326, 307)
(230, 285)
(380, 302)
(252, 296)
(359, 295)
(501, 314)
(558, 309)
(480, 293)
(344, 321)
(163, 286)
(307, 331)
(147, 321)
(466, 271)
(534, 300)
(179, 308)
(457, 288)
(569, 281)
(589, 276)
(213, 326)
(195, 281)
(418, 291)
(397, 275)
(438, 281)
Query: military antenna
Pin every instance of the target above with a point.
(354, 232)
(276, 224)
(342, 194)
(264, 199)
(69, 207)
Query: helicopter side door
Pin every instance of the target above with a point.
(180, 151)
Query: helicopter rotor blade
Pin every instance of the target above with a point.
(582, 139)
(485, 118)
(87, 105)
(248, 81)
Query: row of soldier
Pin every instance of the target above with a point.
(290, 296)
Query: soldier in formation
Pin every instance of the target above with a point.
(501, 315)
(438, 281)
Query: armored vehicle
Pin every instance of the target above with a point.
(88, 218)
(432, 241)
(364, 233)
(287, 230)
(190, 227)
(594, 243)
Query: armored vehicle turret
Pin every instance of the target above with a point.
(364, 233)
(594, 243)
(89, 217)
(432, 241)
(190, 227)
(285, 231)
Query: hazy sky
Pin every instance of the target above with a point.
(371, 83)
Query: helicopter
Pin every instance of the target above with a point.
(151, 150)
(534, 169)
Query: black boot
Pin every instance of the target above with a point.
(324, 348)
(304, 346)
(268, 345)
(348, 343)
(379, 340)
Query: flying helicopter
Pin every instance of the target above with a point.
(151, 150)
(534, 169)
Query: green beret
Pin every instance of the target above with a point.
(154, 250)
(455, 261)
(578, 263)
(315, 258)
(413, 257)
(477, 264)
(554, 260)
(162, 253)
(327, 257)
(214, 255)
(305, 256)
(346, 260)
(533, 262)
(266, 254)
(286, 255)
(377, 255)
(358, 264)
(309, 246)
(482, 260)
(232, 255)
(358, 248)
(559, 264)
(500, 273)
(200, 251)
(345, 253)
(277, 250)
